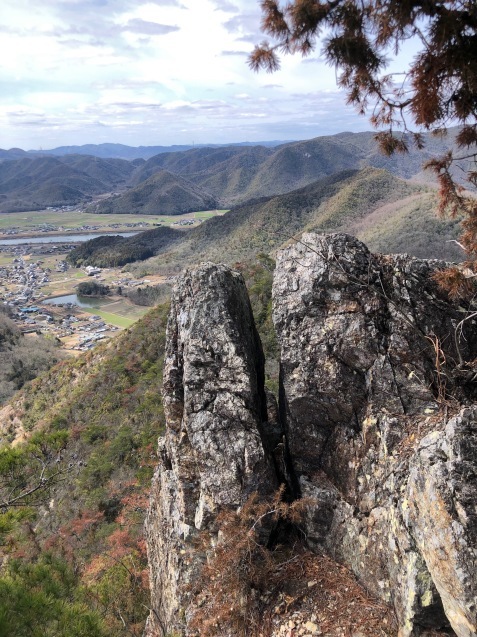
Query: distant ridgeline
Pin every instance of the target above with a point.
(195, 179)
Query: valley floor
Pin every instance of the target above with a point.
(30, 276)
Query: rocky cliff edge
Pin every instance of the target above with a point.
(376, 430)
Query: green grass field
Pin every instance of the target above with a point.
(113, 319)
(207, 214)
(28, 220)
(125, 309)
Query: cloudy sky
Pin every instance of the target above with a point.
(153, 72)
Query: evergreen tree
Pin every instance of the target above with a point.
(439, 89)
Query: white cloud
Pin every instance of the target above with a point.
(150, 28)
(153, 72)
(226, 6)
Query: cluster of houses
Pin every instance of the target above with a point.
(61, 208)
(53, 320)
(19, 288)
(184, 222)
(91, 330)
(37, 249)
(27, 278)
(11, 231)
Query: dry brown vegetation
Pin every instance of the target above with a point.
(252, 586)
(241, 567)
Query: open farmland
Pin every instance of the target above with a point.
(59, 222)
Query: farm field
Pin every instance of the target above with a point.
(50, 221)
(117, 319)
(207, 214)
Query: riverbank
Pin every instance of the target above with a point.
(58, 238)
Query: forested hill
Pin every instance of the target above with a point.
(171, 194)
(115, 251)
(33, 184)
(391, 214)
(235, 175)
(228, 175)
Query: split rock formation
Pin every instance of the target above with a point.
(376, 424)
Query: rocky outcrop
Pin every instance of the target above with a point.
(368, 350)
(215, 450)
(370, 353)
(358, 338)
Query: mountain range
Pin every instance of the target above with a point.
(33, 184)
(118, 151)
(227, 175)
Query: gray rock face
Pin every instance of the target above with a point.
(358, 338)
(367, 345)
(214, 452)
(369, 358)
(441, 514)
